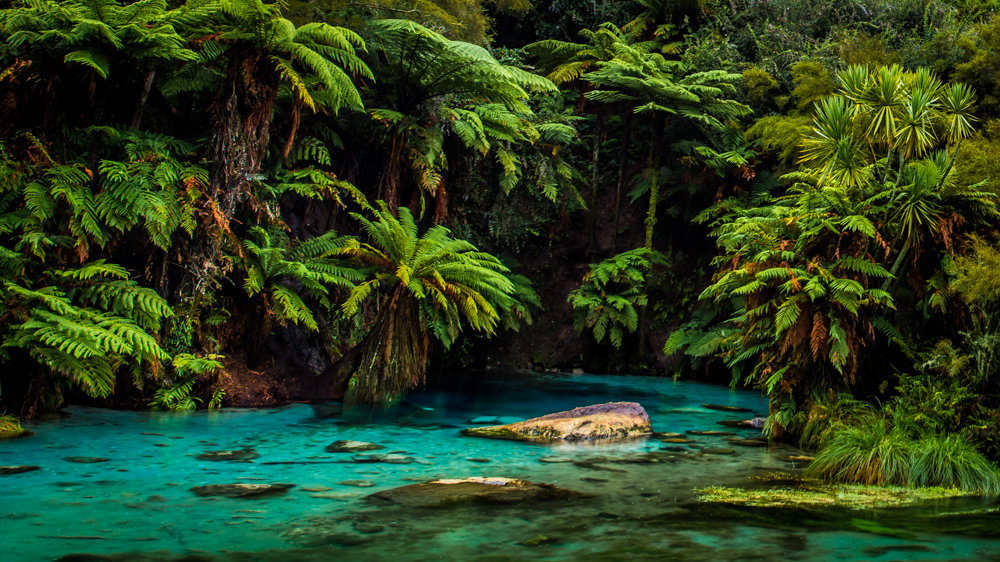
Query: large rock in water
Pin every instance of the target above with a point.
(600, 421)
(459, 491)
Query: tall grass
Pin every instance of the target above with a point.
(952, 461)
(878, 452)
(869, 453)
(10, 426)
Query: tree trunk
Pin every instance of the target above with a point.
(241, 123)
(654, 197)
(951, 162)
(141, 106)
(897, 264)
(623, 160)
(595, 178)
(654, 181)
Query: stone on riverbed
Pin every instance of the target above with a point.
(600, 421)
(357, 483)
(388, 459)
(710, 433)
(240, 455)
(4, 470)
(85, 460)
(722, 408)
(481, 490)
(352, 447)
(242, 490)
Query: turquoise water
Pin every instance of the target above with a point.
(139, 503)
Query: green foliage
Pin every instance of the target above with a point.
(758, 83)
(187, 370)
(85, 324)
(284, 273)
(809, 272)
(151, 187)
(611, 294)
(813, 83)
(874, 452)
(10, 426)
(426, 285)
(878, 451)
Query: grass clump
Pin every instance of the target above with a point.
(10, 426)
(878, 451)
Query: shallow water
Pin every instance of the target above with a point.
(139, 503)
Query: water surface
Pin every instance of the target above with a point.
(139, 503)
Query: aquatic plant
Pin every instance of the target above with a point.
(812, 493)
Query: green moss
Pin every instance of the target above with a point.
(495, 432)
(812, 493)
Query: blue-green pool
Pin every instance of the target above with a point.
(139, 503)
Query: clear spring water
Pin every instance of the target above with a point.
(138, 504)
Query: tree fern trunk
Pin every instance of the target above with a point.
(141, 106)
(594, 180)
(654, 198)
(241, 123)
(622, 163)
(654, 182)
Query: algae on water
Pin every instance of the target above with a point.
(802, 492)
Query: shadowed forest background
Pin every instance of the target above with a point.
(232, 203)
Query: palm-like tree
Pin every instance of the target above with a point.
(262, 49)
(663, 87)
(563, 62)
(904, 113)
(425, 286)
(428, 84)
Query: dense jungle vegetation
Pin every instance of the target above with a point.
(224, 202)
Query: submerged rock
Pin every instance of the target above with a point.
(718, 451)
(448, 492)
(710, 433)
(315, 488)
(540, 540)
(600, 421)
(366, 528)
(357, 483)
(85, 460)
(340, 497)
(239, 455)
(312, 537)
(4, 470)
(242, 490)
(722, 408)
(750, 442)
(389, 459)
(352, 447)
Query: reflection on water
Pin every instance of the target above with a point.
(637, 501)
